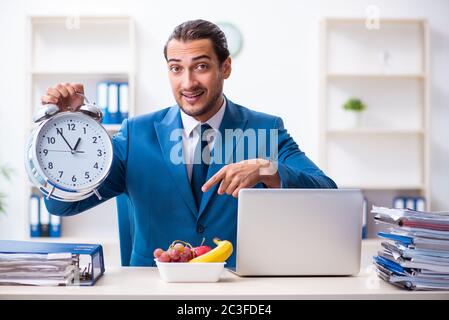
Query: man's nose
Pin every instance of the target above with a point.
(189, 81)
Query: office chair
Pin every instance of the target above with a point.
(125, 212)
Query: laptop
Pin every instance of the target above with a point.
(299, 232)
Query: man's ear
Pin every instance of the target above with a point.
(227, 68)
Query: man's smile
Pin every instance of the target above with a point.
(192, 97)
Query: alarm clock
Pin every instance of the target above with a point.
(69, 154)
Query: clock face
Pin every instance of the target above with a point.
(73, 151)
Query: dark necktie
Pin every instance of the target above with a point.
(200, 165)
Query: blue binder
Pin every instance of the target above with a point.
(34, 216)
(55, 226)
(91, 262)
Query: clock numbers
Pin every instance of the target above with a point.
(73, 153)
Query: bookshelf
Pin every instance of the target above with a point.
(87, 50)
(386, 149)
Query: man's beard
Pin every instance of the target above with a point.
(207, 108)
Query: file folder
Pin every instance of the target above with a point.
(55, 226)
(88, 257)
(102, 100)
(123, 101)
(44, 222)
(410, 204)
(34, 216)
(399, 203)
(420, 204)
(113, 96)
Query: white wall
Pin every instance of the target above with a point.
(276, 72)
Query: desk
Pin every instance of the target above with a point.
(144, 283)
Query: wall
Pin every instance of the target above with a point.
(276, 72)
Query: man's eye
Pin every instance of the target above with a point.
(201, 66)
(175, 69)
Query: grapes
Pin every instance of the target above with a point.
(179, 246)
(174, 253)
(186, 255)
(164, 257)
(179, 251)
(157, 253)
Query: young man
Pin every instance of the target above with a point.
(182, 167)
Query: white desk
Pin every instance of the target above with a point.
(144, 283)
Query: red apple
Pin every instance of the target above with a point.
(201, 250)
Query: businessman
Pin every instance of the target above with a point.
(182, 167)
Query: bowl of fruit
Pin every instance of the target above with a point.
(182, 262)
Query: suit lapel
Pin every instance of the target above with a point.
(232, 119)
(170, 128)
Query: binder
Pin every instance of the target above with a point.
(420, 204)
(399, 203)
(113, 107)
(410, 204)
(102, 100)
(88, 258)
(44, 222)
(34, 216)
(123, 101)
(55, 226)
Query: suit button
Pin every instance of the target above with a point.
(200, 228)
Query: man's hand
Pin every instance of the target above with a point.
(244, 174)
(65, 96)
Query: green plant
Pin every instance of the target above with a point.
(354, 104)
(6, 173)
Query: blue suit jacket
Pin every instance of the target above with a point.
(160, 192)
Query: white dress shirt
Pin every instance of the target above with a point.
(190, 134)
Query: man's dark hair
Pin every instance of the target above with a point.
(201, 29)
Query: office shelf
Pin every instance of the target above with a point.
(375, 132)
(377, 75)
(87, 73)
(81, 49)
(387, 68)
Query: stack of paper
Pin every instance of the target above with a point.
(416, 255)
(51, 269)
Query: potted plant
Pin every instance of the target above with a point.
(4, 173)
(356, 106)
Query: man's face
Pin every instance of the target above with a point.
(196, 77)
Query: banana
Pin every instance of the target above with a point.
(220, 253)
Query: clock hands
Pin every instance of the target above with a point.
(77, 144)
(72, 150)
(60, 133)
(75, 151)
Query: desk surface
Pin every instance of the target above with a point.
(144, 283)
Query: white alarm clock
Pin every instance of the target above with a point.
(69, 154)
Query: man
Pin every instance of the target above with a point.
(196, 197)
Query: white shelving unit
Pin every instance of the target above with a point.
(87, 50)
(387, 68)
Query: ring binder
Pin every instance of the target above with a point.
(84, 268)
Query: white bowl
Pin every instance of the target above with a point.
(190, 272)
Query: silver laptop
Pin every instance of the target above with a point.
(299, 232)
